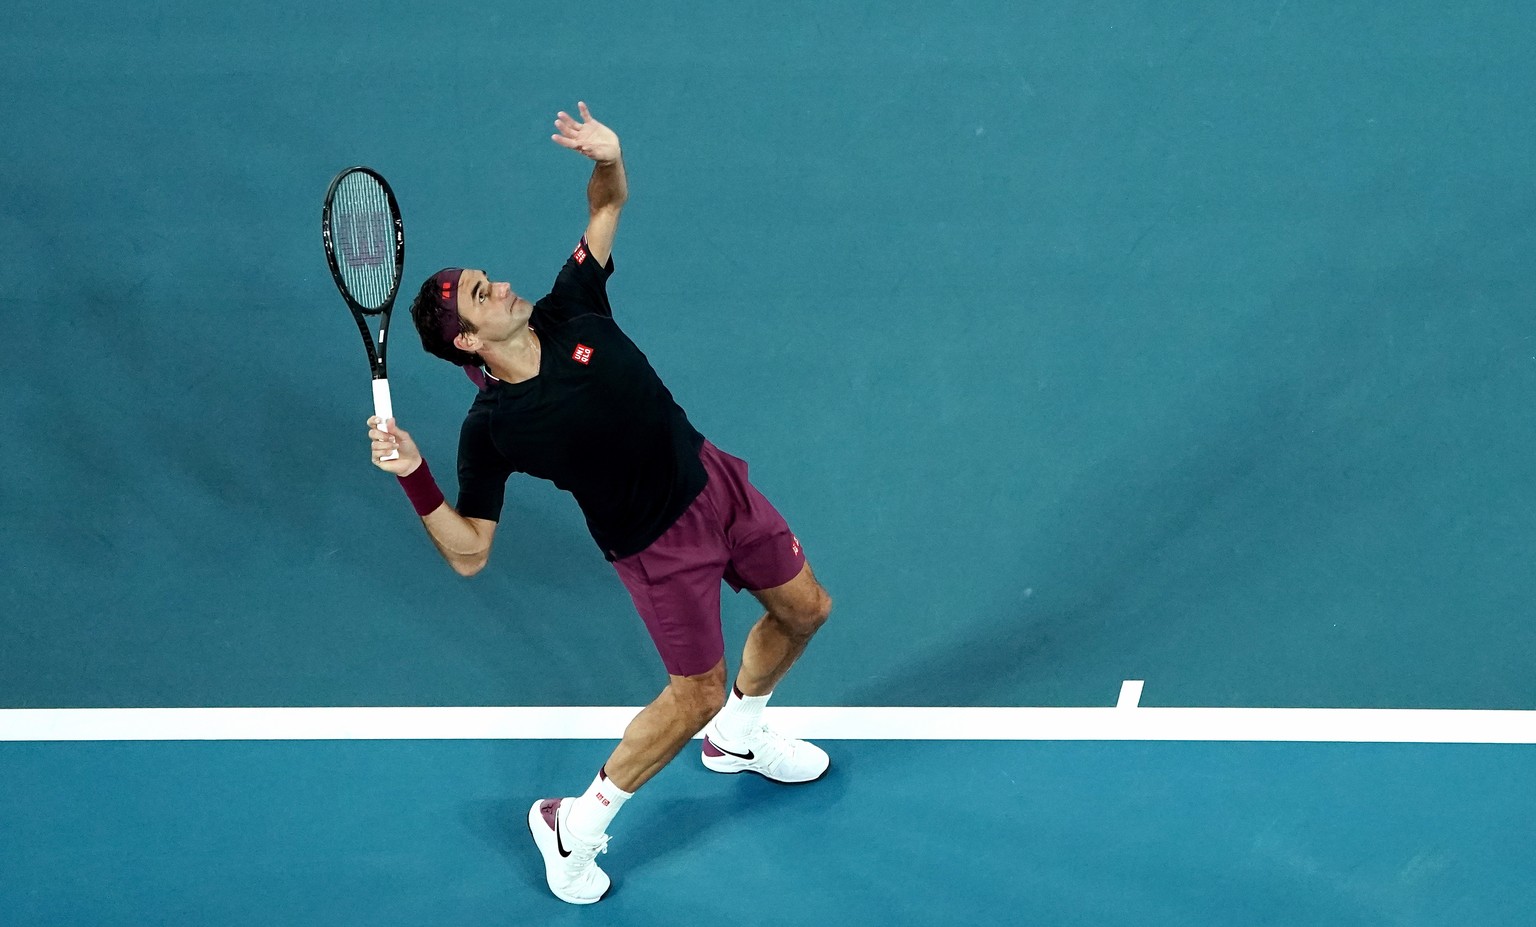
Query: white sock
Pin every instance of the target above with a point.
(741, 715)
(593, 810)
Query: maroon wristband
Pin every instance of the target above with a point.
(422, 490)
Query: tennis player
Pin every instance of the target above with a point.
(567, 397)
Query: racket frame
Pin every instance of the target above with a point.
(377, 349)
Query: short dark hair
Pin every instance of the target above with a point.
(428, 316)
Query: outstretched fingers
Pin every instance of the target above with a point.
(585, 135)
(570, 131)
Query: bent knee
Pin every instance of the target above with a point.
(823, 609)
(807, 618)
(699, 698)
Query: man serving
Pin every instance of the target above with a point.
(567, 397)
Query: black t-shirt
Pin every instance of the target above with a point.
(596, 421)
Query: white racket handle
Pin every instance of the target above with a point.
(384, 410)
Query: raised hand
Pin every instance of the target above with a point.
(588, 136)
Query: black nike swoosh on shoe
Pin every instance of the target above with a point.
(749, 755)
(560, 844)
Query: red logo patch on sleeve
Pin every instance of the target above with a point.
(580, 254)
(582, 354)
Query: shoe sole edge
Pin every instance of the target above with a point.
(757, 772)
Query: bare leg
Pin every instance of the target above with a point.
(796, 610)
(663, 727)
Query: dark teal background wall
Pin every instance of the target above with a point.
(1182, 342)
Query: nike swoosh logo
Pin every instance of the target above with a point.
(749, 755)
(560, 844)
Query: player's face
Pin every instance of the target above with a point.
(494, 310)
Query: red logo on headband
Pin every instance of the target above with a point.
(447, 290)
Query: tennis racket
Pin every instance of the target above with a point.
(365, 246)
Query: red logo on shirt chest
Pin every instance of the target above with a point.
(582, 354)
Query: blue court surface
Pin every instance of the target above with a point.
(1181, 342)
(434, 832)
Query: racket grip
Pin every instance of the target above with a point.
(384, 410)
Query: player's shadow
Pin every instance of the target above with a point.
(675, 825)
(651, 832)
(503, 825)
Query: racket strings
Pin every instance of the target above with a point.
(364, 229)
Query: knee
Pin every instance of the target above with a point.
(805, 619)
(823, 609)
(699, 698)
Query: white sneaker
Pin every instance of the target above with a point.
(570, 864)
(767, 753)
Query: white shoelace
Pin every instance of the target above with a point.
(584, 853)
(780, 747)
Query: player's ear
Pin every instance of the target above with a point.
(466, 342)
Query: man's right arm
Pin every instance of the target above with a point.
(464, 542)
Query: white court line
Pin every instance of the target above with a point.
(1342, 725)
(1130, 693)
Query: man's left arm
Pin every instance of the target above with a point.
(608, 188)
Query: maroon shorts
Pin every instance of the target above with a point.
(730, 532)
